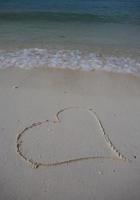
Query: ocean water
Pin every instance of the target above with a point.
(74, 34)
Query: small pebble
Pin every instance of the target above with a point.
(15, 87)
(100, 172)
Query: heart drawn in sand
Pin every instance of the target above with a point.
(71, 137)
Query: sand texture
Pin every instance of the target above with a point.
(69, 135)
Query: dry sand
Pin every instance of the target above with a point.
(30, 96)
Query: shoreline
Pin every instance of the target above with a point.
(33, 58)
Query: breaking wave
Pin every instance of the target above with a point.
(69, 59)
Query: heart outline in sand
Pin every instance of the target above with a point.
(117, 154)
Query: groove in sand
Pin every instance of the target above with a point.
(35, 164)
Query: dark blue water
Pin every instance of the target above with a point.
(104, 10)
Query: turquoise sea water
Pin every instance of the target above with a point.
(76, 34)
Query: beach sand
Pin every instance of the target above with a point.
(31, 96)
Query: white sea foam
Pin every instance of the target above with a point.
(70, 59)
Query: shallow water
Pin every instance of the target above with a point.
(80, 34)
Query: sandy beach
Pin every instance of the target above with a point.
(31, 96)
